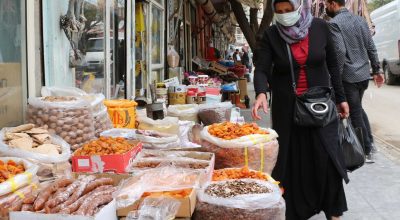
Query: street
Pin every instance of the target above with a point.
(382, 107)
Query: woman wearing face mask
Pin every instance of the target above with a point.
(310, 163)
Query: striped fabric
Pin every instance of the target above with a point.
(354, 46)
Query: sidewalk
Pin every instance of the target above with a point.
(374, 190)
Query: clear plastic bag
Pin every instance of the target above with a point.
(204, 168)
(257, 151)
(176, 154)
(185, 128)
(95, 100)
(19, 180)
(150, 163)
(102, 122)
(263, 206)
(205, 211)
(5, 150)
(72, 120)
(161, 179)
(163, 208)
(186, 112)
(11, 201)
(149, 139)
(201, 161)
(215, 112)
(167, 125)
(61, 91)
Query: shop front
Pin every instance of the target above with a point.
(13, 73)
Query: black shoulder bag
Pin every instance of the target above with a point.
(315, 107)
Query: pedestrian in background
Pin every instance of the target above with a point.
(355, 48)
(245, 58)
(310, 164)
(237, 56)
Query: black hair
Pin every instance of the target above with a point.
(339, 2)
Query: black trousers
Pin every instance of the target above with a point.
(354, 94)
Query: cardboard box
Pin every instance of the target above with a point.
(186, 210)
(105, 163)
(108, 212)
(218, 67)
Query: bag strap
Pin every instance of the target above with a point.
(291, 68)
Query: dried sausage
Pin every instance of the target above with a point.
(48, 191)
(96, 183)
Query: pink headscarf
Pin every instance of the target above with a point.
(299, 31)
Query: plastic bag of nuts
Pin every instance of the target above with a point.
(240, 199)
(215, 112)
(69, 117)
(102, 122)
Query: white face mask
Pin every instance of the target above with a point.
(290, 18)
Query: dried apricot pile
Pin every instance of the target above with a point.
(104, 146)
(238, 173)
(229, 130)
(10, 169)
(183, 193)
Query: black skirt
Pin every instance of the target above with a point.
(311, 181)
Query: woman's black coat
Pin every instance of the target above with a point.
(273, 69)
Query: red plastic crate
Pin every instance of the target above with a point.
(106, 163)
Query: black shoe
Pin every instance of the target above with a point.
(369, 158)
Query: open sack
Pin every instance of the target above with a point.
(264, 206)
(6, 150)
(14, 183)
(256, 151)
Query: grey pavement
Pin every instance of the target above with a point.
(374, 190)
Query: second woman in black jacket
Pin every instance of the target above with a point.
(310, 163)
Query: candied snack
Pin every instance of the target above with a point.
(10, 169)
(177, 194)
(229, 130)
(238, 173)
(104, 146)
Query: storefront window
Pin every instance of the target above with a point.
(140, 48)
(155, 75)
(11, 73)
(75, 55)
(74, 58)
(156, 24)
(149, 37)
(117, 33)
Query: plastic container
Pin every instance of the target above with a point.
(122, 112)
(172, 57)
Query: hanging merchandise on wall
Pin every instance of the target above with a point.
(73, 24)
